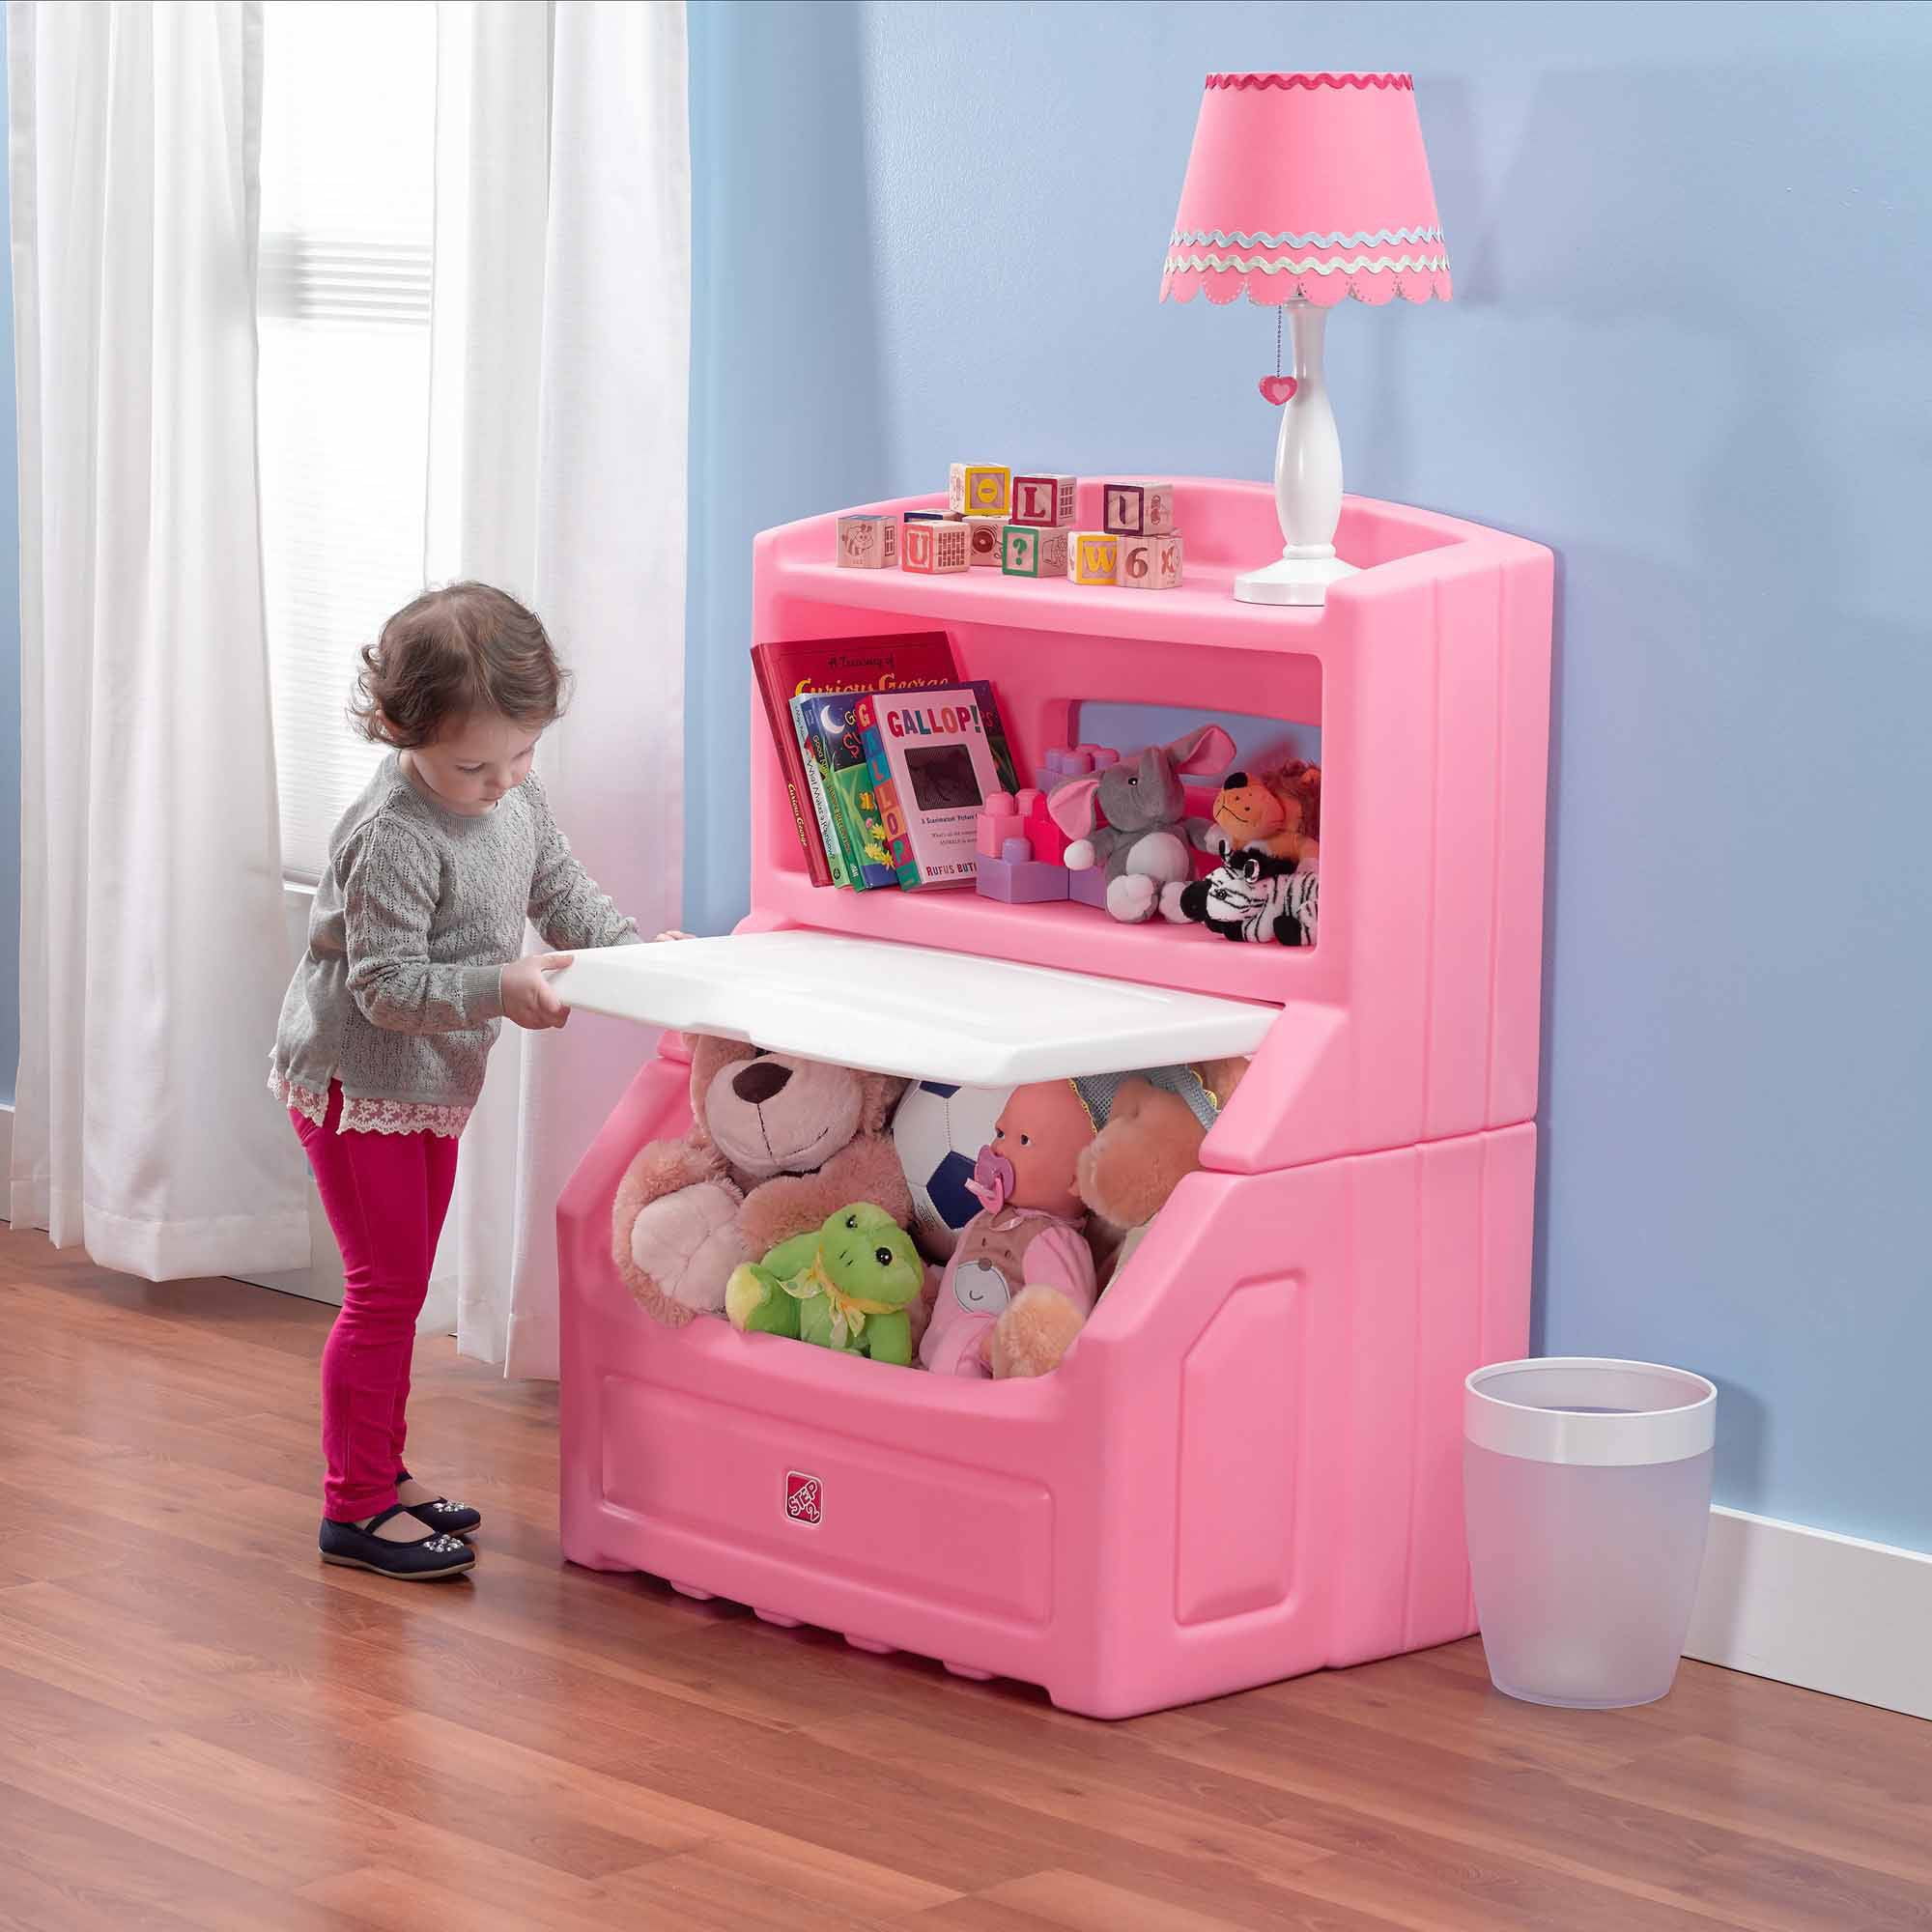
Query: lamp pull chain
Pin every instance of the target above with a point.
(1277, 389)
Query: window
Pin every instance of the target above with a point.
(348, 238)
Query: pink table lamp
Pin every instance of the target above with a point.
(1304, 189)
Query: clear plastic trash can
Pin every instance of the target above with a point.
(1588, 1496)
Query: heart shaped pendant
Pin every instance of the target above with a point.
(1278, 388)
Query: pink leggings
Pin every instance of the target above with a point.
(385, 1196)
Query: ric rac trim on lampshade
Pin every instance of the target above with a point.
(1345, 264)
(1402, 81)
(1271, 281)
(1339, 238)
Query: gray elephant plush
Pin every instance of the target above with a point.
(1132, 820)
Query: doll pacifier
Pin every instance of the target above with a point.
(992, 1181)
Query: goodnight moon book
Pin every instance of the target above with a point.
(935, 756)
(840, 773)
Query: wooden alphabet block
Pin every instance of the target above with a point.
(979, 489)
(1092, 556)
(935, 550)
(1150, 563)
(867, 543)
(1137, 509)
(1045, 502)
(1027, 552)
(982, 536)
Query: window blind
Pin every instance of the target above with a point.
(347, 262)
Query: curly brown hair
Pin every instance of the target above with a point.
(451, 654)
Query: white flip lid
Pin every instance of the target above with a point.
(912, 1011)
(1590, 1409)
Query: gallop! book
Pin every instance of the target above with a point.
(935, 756)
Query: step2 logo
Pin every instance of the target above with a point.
(804, 1496)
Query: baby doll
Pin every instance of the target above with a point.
(1020, 1283)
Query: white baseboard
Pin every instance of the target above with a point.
(1829, 1613)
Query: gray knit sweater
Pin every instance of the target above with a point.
(399, 995)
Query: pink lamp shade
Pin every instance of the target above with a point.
(1309, 185)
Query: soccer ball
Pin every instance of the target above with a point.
(939, 1131)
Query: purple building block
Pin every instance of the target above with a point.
(1089, 888)
(1018, 878)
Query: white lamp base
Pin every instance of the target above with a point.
(1291, 579)
(1307, 480)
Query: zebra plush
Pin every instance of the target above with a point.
(1252, 895)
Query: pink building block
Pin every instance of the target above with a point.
(1046, 839)
(1000, 821)
(1249, 1466)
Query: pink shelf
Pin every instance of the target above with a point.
(962, 921)
(1237, 533)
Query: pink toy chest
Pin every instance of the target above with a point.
(1250, 1465)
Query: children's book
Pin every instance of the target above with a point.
(935, 756)
(837, 765)
(812, 750)
(857, 664)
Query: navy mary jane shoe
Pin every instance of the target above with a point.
(423, 1561)
(446, 1518)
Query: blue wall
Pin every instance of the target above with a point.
(1688, 351)
(9, 658)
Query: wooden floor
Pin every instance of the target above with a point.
(200, 1726)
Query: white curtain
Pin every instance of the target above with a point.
(153, 948)
(559, 370)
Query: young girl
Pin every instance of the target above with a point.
(414, 957)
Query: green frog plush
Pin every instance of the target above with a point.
(843, 1286)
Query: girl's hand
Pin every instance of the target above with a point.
(530, 999)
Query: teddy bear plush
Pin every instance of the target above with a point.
(776, 1144)
(846, 1285)
(1149, 1142)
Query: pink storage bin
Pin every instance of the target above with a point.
(1250, 1465)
